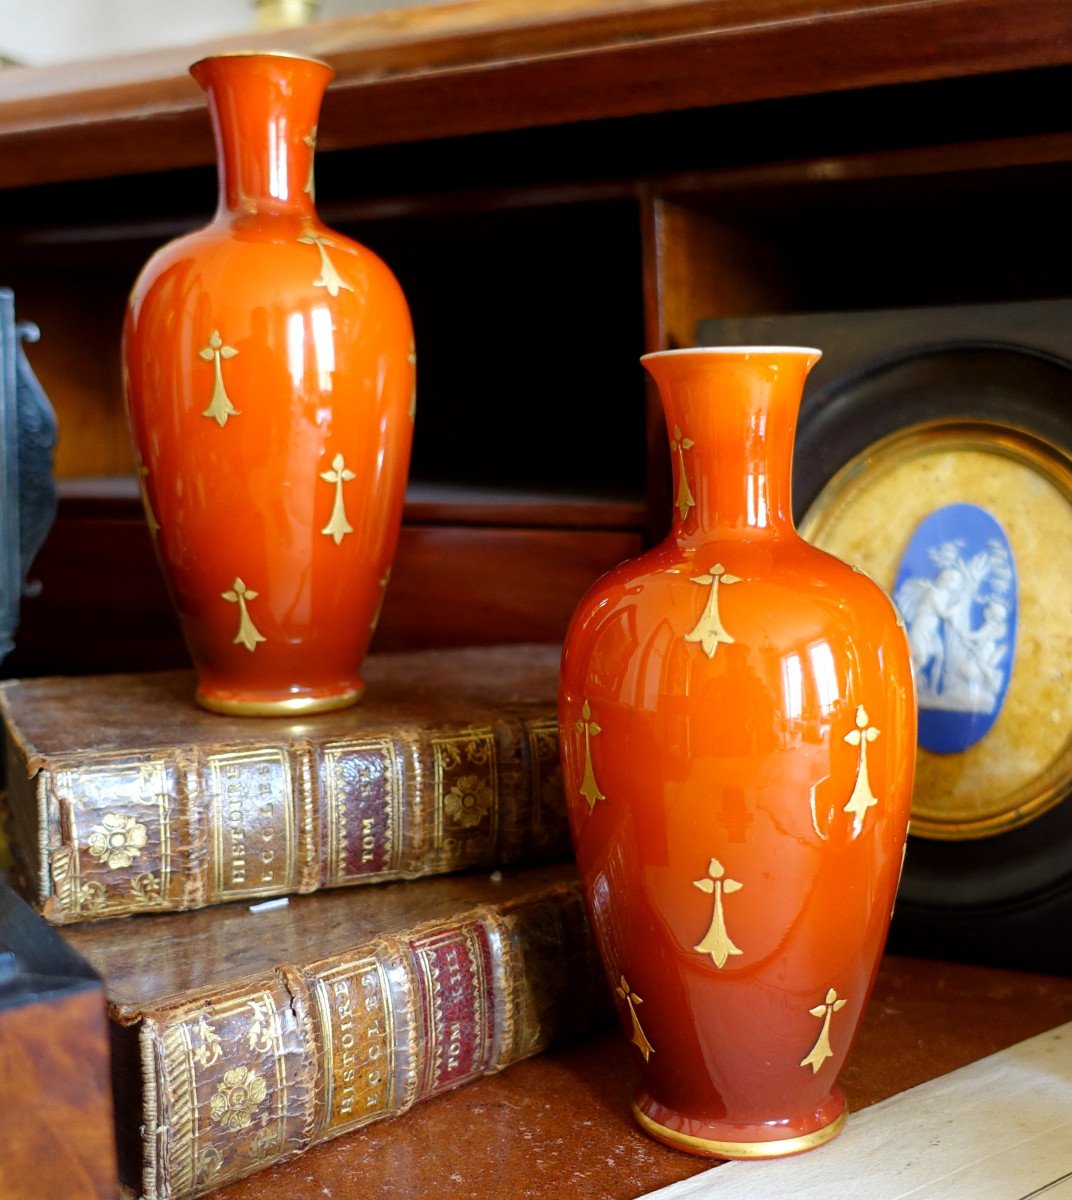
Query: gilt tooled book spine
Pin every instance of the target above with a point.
(417, 781)
(215, 1084)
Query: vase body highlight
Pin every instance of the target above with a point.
(737, 721)
(269, 374)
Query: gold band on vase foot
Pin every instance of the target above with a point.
(722, 1149)
(291, 706)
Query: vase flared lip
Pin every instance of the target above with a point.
(291, 54)
(740, 351)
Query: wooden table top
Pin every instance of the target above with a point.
(559, 1125)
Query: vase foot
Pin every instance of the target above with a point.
(288, 706)
(715, 1139)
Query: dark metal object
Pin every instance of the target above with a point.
(28, 495)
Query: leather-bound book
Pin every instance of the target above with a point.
(125, 797)
(244, 1034)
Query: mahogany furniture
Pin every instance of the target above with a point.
(577, 181)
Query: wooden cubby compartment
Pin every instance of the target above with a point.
(557, 194)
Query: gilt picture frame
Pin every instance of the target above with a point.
(915, 418)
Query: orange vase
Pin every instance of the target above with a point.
(737, 721)
(269, 372)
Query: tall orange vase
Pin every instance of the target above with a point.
(737, 720)
(269, 372)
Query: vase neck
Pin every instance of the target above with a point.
(731, 415)
(264, 110)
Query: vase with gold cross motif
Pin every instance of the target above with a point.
(737, 722)
(269, 373)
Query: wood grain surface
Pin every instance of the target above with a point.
(500, 64)
(559, 1125)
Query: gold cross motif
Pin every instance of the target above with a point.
(248, 634)
(310, 186)
(220, 406)
(338, 527)
(709, 631)
(379, 603)
(862, 797)
(678, 446)
(328, 278)
(639, 1038)
(716, 941)
(150, 516)
(589, 788)
(821, 1051)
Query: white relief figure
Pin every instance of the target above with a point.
(958, 666)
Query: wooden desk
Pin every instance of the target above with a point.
(559, 1126)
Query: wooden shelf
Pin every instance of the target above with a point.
(560, 186)
(495, 65)
(559, 1125)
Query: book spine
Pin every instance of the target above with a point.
(175, 830)
(238, 1078)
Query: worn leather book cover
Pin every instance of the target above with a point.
(243, 1034)
(56, 1137)
(125, 797)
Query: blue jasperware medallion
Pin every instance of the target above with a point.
(956, 590)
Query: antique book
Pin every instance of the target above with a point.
(243, 1034)
(125, 797)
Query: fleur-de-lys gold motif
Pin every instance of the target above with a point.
(259, 1034)
(709, 630)
(639, 1038)
(209, 1164)
(329, 278)
(678, 446)
(145, 888)
(589, 787)
(117, 840)
(468, 801)
(92, 898)
(220, 406)
(265, 1144)
(821, 1051)
(716, 941)
(248, 634)
(209, 1048)
(338, 526)
(237, 1097)
(862, 797)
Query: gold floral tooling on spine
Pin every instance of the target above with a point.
(113, 841)
(466, 795)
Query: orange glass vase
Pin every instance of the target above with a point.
(737, 721)
(269, 372)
